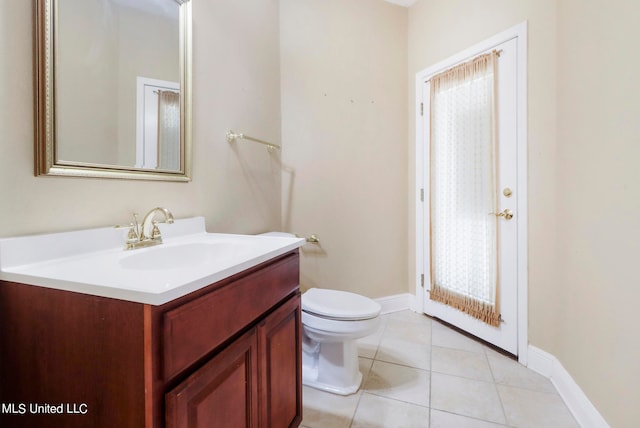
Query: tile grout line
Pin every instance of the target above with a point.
(355, 411)
(495, 385)
(373, 360)
(475, 418)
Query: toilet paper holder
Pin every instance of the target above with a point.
(313, 239)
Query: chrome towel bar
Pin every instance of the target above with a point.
(233, 136)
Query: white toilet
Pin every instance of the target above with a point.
(332, 322)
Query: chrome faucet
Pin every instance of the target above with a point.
(146, 234)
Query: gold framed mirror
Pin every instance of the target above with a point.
(113, 89)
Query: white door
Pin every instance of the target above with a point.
(147, 119)
(505, 335)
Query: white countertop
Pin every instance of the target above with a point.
(94, 262)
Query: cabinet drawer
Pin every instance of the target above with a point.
(196, 328)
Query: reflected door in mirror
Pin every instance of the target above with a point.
(158, 124)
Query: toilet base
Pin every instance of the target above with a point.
(310, 381)
(331, 366)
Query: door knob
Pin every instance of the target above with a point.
(507, 214)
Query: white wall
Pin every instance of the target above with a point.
(236, 81)
(344, 93)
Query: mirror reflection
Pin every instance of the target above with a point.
(109, 110)
(116, 104)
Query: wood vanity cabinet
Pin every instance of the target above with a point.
(227, 355)
(245, 384)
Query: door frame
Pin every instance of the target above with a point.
(518, 32)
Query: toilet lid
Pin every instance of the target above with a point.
(339, 305)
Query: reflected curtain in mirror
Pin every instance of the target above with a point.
(168, 130)
(464, 255)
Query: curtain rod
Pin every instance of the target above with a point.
(468, 59)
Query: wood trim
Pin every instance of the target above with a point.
(148, 367)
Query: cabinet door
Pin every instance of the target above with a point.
(223, 393)
(280, 344)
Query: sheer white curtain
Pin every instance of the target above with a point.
(464, 254)
(169, 130)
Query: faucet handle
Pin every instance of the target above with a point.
(155, 231)
(132, 234)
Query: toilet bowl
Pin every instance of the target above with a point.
(332, 321)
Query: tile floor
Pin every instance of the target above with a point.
(420, 373)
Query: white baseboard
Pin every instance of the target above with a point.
(398, 302)
(582, 409)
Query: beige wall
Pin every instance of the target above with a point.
(598, 200)
(344, 109)
(584, 202)
(86, 77)
(236, 85)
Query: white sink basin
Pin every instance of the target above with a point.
(181, 256)
(93, 261)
